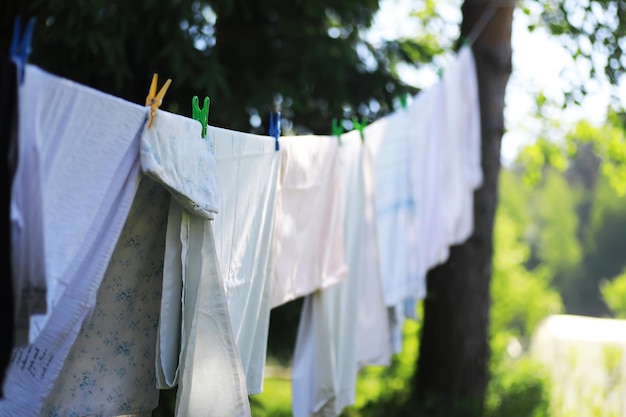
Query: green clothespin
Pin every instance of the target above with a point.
(403, 101)
(359, 126)
(337, 130)
(201, 115)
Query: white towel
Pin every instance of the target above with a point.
(344, 327)
(110, 368)
(89, 163)
(247, 172)
(309, 228)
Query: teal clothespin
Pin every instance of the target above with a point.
(201, 115)
(359, 126)
(337, 130)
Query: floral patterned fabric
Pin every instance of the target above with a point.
(110, 368)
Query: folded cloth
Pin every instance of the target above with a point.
(309, 252)
(89, 175)
(174, 153)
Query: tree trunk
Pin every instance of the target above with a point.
(452, 369)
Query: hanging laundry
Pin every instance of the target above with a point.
(8, 140)
(247, 171)
(428, 227)
(388, 143)
(309, 229)
(89, 175)
(110, 368)
(345, 326)
(173, 155)
(446, 140)
(194, 310)
(462, 121)
(211, 380)
(447, 115)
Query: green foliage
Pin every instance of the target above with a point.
(534, 158)
(275, 401)
(577, 209)
(614, 294)
(554, 204)
(608, 143)
(521, 298)
(519, 388)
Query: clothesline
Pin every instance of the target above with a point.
(163, 252)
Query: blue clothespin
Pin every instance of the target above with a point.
(20, 45)
(337, 130)
(274, 129)
(201, 115)
(359, 126)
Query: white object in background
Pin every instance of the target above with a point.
(586, 359)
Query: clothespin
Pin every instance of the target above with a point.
(337, 129)
(201, 115)
(20, 45)
(359, 126)
(154, 100)
(274, 129)
(440, 73)
(402, 101)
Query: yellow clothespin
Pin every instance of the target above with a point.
(154, 100)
